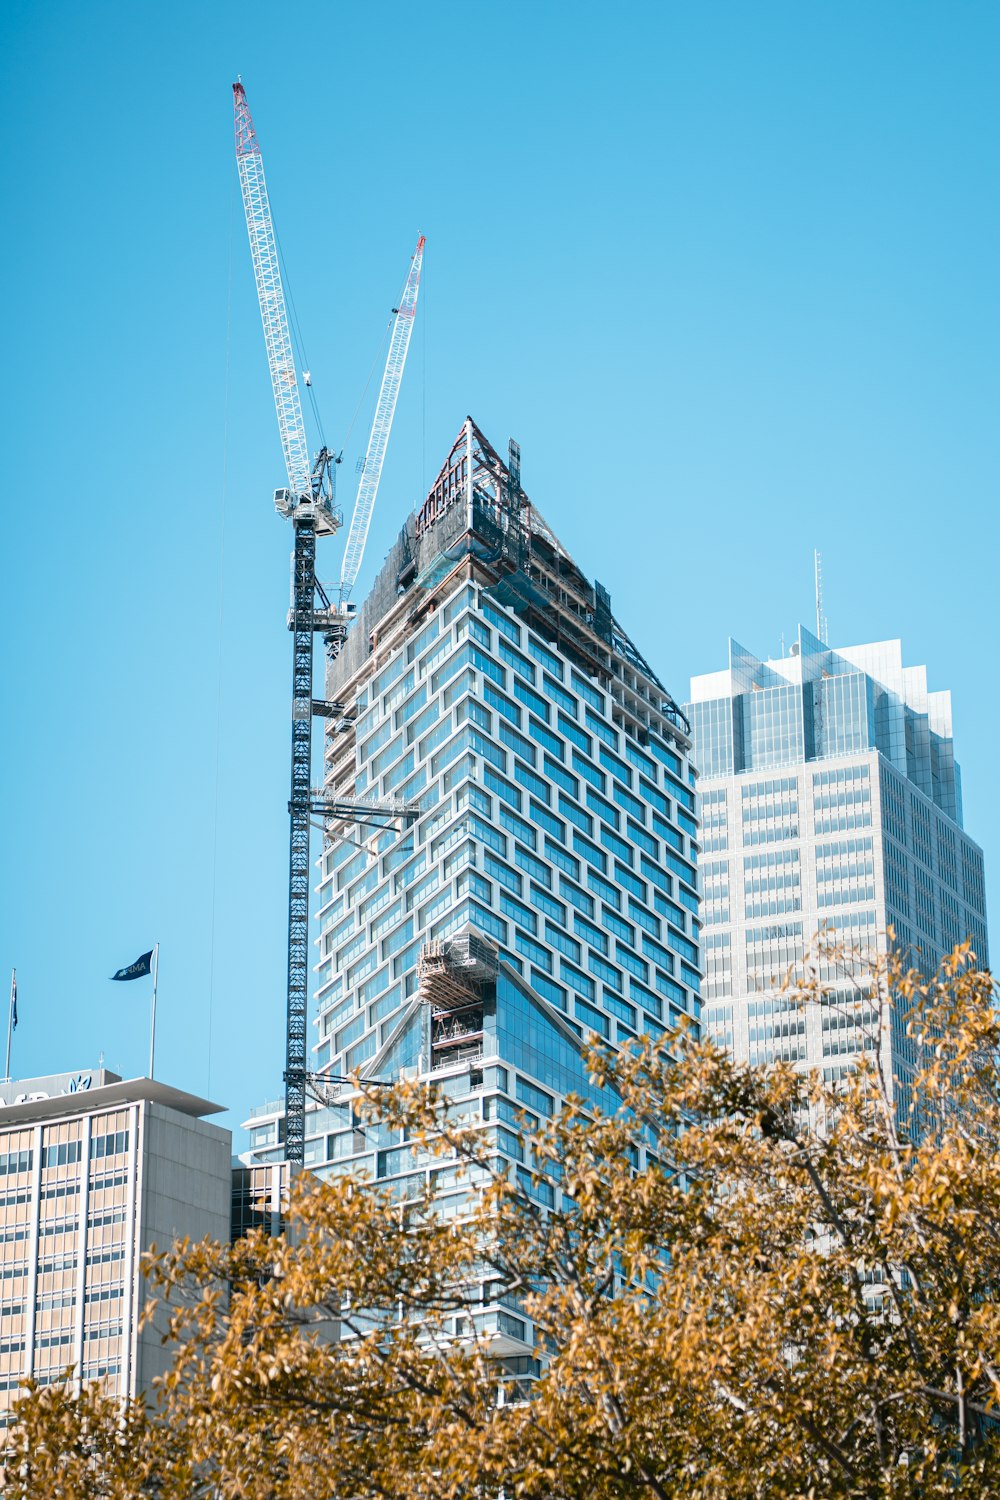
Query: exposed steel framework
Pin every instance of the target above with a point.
(538, 577)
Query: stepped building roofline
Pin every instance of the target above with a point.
(476, 512)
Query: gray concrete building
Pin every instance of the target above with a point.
(94, 1170)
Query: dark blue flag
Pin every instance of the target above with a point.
(143, 965)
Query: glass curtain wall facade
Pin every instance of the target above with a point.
(829, 796)
(92, 1171)
(547, 891)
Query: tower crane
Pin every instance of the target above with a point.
(308, 502)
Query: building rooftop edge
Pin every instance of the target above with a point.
(479, 515)
(126, 1091)
(708, 686)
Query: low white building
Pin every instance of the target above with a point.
(94, 1170)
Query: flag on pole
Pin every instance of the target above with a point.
(143, 965)
(13, 1000)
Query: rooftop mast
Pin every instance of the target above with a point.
(822, 624)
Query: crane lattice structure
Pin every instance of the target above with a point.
(308, 502)
(385, 409)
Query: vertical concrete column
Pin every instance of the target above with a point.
(81, 1251)
(274, 1194)
(130, 1291)
(31, 1293)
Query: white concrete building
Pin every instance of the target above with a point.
(829, 796)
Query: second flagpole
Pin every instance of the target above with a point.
(10, 1019)
(152, 1014)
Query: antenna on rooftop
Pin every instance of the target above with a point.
(822, 623)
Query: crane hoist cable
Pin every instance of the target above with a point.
(298, 339)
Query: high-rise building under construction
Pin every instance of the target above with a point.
(546, 891)
(829, 797)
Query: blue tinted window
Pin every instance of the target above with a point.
(529, 1042)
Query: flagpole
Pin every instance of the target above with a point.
(152, 1017)
(10, 1020)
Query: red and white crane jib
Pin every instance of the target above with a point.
(271, 296)
(385, 410)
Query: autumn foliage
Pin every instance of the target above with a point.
(798, 1298)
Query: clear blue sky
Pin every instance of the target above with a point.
(728, 272)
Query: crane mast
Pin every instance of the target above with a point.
(308, 502)
(385, 410)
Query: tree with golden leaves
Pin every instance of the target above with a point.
(797, 1297)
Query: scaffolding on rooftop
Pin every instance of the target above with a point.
(454, 973)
